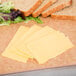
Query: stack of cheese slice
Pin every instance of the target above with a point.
(41, 43)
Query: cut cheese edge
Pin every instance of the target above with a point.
(49, 46)
(21, 31)
(15, 56)
(11, 51)
(19, 54)
(23, 40)
(41, 33)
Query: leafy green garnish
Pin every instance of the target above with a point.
(5, 18)
(7, 23)
(6, 7)
(18, 20)
(2, 15)
(3, 21)
(37, 19)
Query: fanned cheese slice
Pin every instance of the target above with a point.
(15, 56)
(43, 32)
(23, 40)
(21, 31)
(11, 51)
(49, 46)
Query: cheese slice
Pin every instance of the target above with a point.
(23, 40)
(44, 31)
(14, 56)
(41, 33)
(49, 46)
(12, 47)
(11, 52)
(21, 31)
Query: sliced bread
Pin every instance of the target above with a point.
(60, 4)
(45, 4)
(67, 13)
(26, 6)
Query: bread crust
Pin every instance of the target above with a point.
(64, 17)
(37, 13)
(58, 8)
(30, 11)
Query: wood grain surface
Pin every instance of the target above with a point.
(7, 65)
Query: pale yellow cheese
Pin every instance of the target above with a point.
(49, 46)
(14, 56)
(12, 47)
(21, 31)
(12, 52)
(23, 40)
(15, 53)
(43, 32)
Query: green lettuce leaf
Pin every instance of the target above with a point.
(19, 19)
(7, 23)
(6, 7)
(36, 19)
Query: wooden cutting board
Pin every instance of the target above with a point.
(7, 65)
